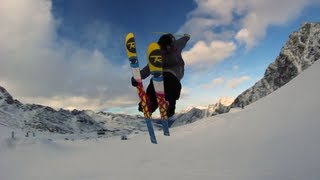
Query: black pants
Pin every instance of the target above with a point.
(172, 89)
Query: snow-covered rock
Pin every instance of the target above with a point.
(192, 114)
(32, 117)
(300, 52)
(222, 106)
(43, 118)
(189, 116)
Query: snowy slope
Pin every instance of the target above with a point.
(276, 137)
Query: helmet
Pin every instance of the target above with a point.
(166, 41)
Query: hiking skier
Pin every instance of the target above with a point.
(173, 72)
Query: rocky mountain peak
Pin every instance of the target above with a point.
(301, 51)
(226, 101)
(5, 97)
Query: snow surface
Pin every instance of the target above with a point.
(277, 137)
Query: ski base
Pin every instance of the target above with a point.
(151, 131)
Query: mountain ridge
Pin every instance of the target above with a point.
(300, 52)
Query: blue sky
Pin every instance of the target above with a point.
(70, 53)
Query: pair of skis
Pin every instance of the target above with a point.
(155, 64)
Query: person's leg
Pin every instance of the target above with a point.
(153, 104)
(172, 87)
(171, 108)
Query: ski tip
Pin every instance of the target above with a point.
(130, 34)
(130, 45)
(154, 45)
(154, 57)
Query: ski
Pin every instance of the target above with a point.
(155, 64)
(134, 64)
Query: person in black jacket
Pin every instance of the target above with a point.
(173, 72)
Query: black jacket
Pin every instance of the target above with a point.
(172, 62)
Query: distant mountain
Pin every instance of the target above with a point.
(189, 116)
(192, 114)
(222, 106)
(31, 117)
(300, 52)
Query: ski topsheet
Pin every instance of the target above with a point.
(155, 65)
(134, 63)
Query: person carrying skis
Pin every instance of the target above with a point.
(173, 72)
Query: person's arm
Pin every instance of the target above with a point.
(181, 42)
(145, 72)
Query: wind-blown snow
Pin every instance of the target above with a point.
(276, 137)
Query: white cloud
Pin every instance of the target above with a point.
(233, 83)
(260, 15)
(214, 83)
(185, 92)
(79, 102)
(246, 20)
(214, 8)
(39, 69)
(235, 67)
(244, 36)
(208, 54)
(218, 81)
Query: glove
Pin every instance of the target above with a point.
(188, 35)
(134, 83)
